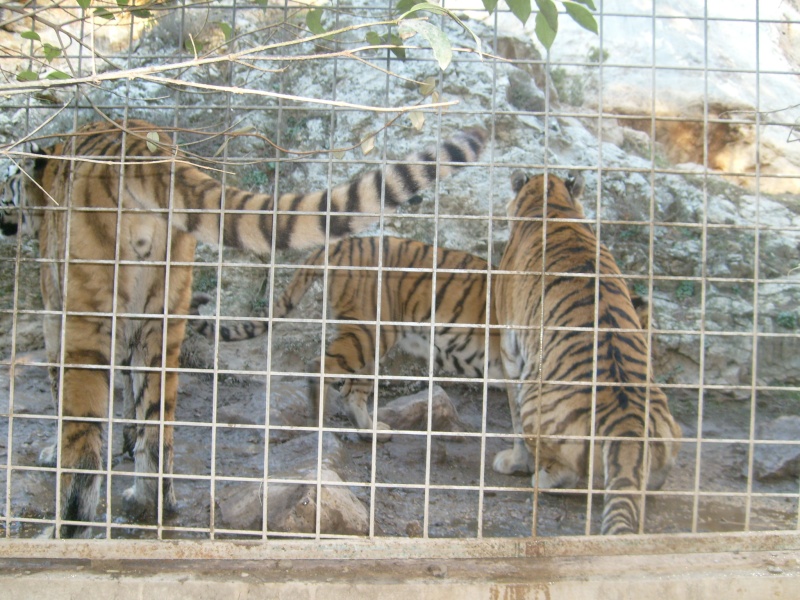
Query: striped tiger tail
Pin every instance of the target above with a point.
(160, 178)
(258, 324)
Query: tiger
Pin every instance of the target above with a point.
(119, 211)
(406, 284)
(552, 278)
(404, 298)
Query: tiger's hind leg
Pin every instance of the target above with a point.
(351, 352)
(128, 410)
(85, 395)
(149, 463)
(355, 395)
(51, 325)
(516, 459)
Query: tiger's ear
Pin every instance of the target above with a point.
(575, 184)
(642, 307)
(518, 179)
(40, 161)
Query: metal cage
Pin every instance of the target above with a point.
(681, 121)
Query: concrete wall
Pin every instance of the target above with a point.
(715, 575)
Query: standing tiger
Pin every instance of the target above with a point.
(404, 299)
(119, 211)
(549, 287)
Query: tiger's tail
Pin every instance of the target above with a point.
(258, 324)
(624, 476)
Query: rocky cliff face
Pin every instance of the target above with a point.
(716, 252)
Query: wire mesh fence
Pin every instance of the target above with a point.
(340, 375)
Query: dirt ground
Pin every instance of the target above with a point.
(709, 494)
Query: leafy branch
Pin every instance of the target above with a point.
(547, 17)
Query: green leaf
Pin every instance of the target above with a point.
(368, 144)
(440, 44)
(104, 13)
(27, 76)
(152, 141)
(193, 46)
(397, 49)
(51, 52)
(438, 10)
(84, 4)
(490, 5)
(227, 30)
(31, 35)
(588, 3)
(417, 119)
(373, 39)
(520, 8)
(122, 3)
(58, 75)
(550, 12)
(314, 21)
(142, 13)
(581, 16)
(428, 86)
(543, 31)
(403, 6)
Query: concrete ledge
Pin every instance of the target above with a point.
(728, 575)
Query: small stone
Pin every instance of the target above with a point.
(439, 571)
(414, 529)
(777, 461)
(775, 570)
(411, 412)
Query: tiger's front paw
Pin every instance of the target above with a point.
(554, 477)
(135, 501)
(381, 437)
(513, 460)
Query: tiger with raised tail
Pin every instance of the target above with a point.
(394, 312)
(131, 208)
(548, 288)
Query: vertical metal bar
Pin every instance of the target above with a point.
(487, 324)
(756, 279)
(590, 493)
(703, 241)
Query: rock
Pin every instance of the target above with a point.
(414, 529)
(300, 454)
(528, 59)
(777, 461)
(240, 506)
(522, 92)
(288, 407)
(293, 507)
(411, 412)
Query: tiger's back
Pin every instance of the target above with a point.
(121, 210)
(555, 359)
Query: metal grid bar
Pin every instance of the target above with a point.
(470, 505)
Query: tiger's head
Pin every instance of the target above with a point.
(563, 196)
(11, 198)
(14, 194)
